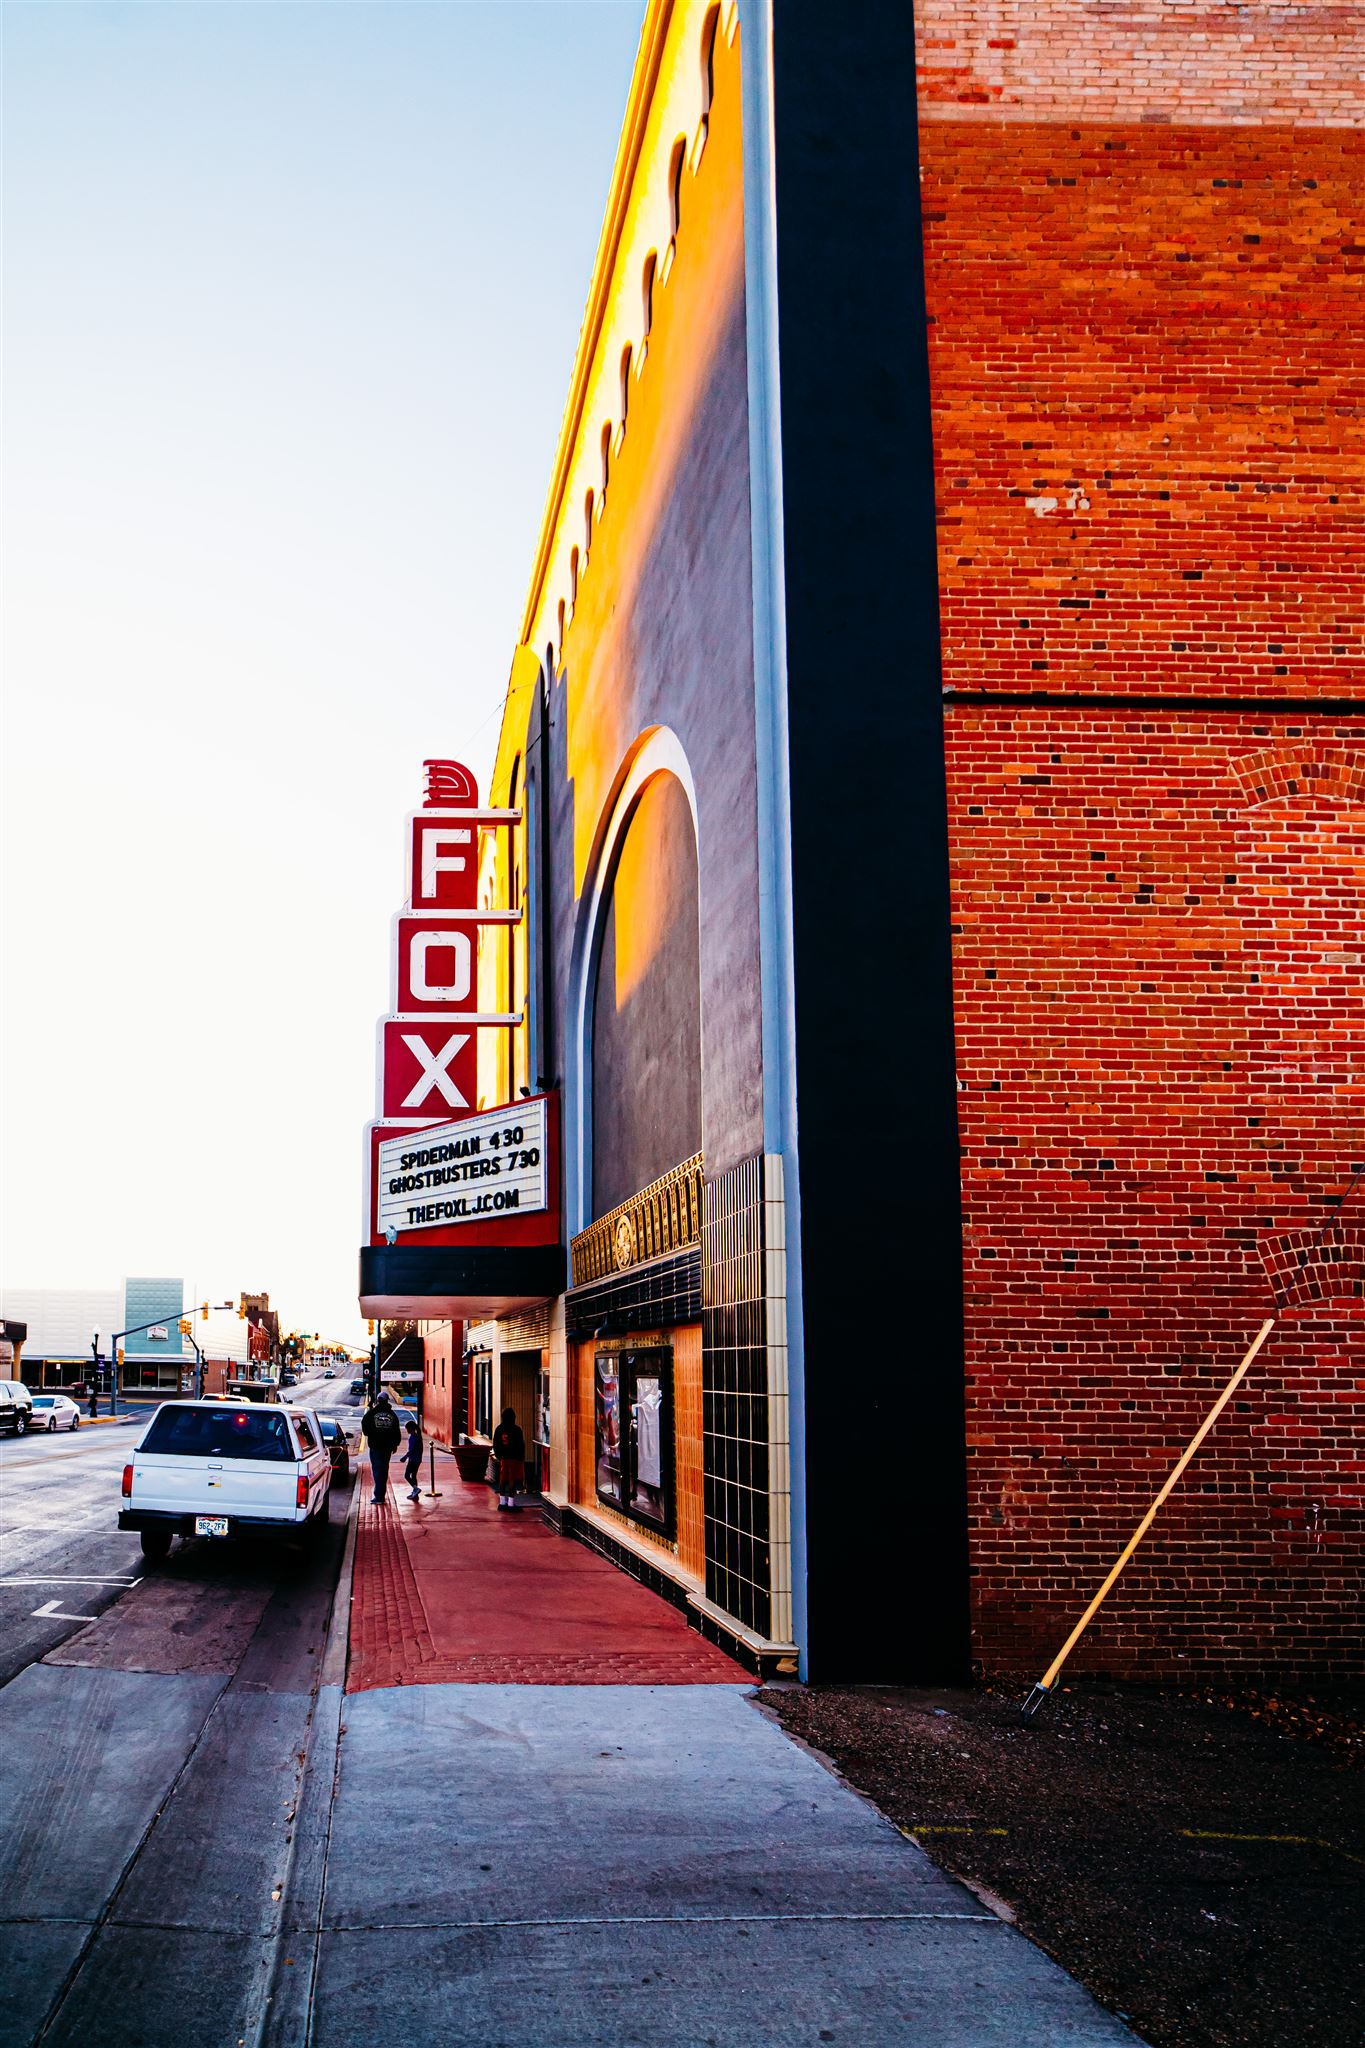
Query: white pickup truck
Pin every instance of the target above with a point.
(226, 1468)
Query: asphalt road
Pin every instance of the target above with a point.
(153, 1737)
(63, 1560)
(208, 1844)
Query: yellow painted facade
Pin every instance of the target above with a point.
(636, 379)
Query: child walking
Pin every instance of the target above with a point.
(412, 1464)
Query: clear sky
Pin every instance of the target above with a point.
(291, 299)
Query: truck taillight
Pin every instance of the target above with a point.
(302, 1495)
(127, 1482)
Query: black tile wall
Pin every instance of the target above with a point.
(658, 1296)
(735, 1396)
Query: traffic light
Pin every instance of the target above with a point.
(186, 1325)
(120, 1354)
(203, 1311)
(241, 1315)
(369, 1327)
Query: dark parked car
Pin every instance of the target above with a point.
(334, 1437)
(16, 1407)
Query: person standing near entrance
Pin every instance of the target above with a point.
(379, 1427)
(509, 1448)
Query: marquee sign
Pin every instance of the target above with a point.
(489, 1177)
(439, 1171)
(491, 1164)
(428, 1044)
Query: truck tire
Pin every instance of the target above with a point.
(156, 1545)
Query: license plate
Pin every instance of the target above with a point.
(210, 1525)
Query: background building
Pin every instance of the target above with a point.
(939, 748)
(445, 1414)
(156, 1359)
(62, 1323)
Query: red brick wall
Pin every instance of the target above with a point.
(1144, 269)
(1149, 405)
(1157, 992)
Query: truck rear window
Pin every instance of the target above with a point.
(219, 1433)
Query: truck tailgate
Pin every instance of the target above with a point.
(204, 1486)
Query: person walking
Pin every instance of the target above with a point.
(379, 1427)
(509, 1448)
(412, 1464)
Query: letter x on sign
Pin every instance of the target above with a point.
(428, 1066)
(435, 1074)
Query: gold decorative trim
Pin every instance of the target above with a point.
(664, 1217)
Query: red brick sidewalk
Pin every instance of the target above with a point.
(450, 1591)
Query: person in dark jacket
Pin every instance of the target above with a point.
(412, 1464)
(379, 1427)
(509, 1448)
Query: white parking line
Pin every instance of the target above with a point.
(57, 1579)
(50, 1611)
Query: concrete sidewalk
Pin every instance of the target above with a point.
(581, 1862)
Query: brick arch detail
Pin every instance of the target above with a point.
(1299, 769)
(1303, 1272)
(1281, 788)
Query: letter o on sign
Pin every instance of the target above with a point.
(457, 989)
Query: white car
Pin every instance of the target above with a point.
(226, 1468)
(55, 1411)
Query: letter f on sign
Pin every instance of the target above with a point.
(434, 1074)
(435, 862)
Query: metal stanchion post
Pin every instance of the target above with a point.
(433, 1492)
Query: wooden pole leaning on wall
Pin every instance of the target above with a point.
(1044, 1687)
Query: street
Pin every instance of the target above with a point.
(63, 1559)
(155, 1724)
(264, 1791)
(60, 1548)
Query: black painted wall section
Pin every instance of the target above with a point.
(881, 1244)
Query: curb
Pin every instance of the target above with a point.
(87, 1422)
(333, 1668)
(284, 2017)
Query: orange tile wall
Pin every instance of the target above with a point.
(687, 1432)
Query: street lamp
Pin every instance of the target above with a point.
(95, 1374)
